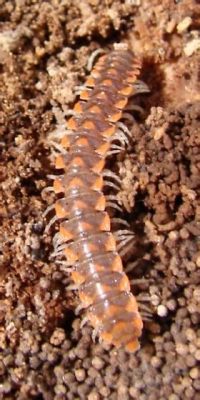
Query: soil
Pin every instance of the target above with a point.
(45, 352)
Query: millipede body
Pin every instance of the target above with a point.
(87, 241)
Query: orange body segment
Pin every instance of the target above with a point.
(72, 123)
(94, 109)
(121, 104)
(88, 125)
(115, 117)
(78, 107)
(84, 95)
(109, 132)
(58, 187)
(132, 346)
(77, 278)
(59, 163)
(65, 142)
(90, 82)
(126, 91)
(107, 82)
(103, 149)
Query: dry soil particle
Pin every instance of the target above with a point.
(45, 354)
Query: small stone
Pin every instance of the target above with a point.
(58, 337)
(162, 310)
(60, 389)
(68, 378)
(189, 393)
(192, 46)
(2, 340)
(190, 334)
(34, 362)
(173, 235)
(122, 391)
(190, 361)
(170, 26)
(197, 355)
(80, 374)
(171, 304)
(196, 384)
(184, 24)
(105, 392)
(198, 261)
(5, 387)
(44, 283)
(97, 363)
(59, 372)
(92, 372)
(2, 368)
(192, 348)
(186, 381)
(93, 396)
(194, 373)
(181, 349)
(184, 233)
(156, 362)
(133, 393)
(173, 396)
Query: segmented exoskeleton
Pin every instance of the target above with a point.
(85, 234)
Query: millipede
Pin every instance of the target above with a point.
(84, 238)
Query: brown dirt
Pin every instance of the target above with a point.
(44, 47)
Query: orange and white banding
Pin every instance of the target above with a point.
(89, 245)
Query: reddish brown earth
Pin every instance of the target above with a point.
(44, 49)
